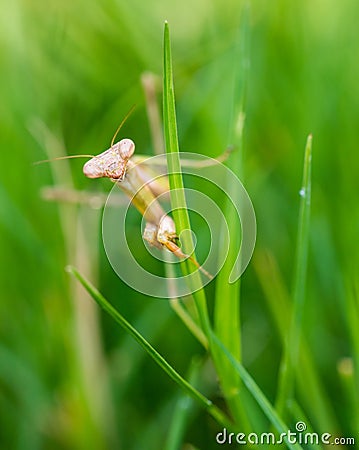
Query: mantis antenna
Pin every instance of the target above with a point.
(62, 157)
(121, 124)
(89, 156)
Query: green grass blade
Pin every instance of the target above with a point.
(258, 395)
(310, 385)
(291, 351)
(227, 300)
(215, 412)
(178, 199)
(182, 219)
(188, 321)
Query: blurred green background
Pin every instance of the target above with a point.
(69, 378)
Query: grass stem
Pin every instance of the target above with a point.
(291, 350)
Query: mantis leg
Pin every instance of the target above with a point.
(167, 237)
(160, 229)
(160, 185)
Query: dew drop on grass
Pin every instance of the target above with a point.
(302, 192)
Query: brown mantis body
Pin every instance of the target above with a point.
(116, 164)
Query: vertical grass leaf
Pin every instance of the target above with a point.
(291, 350)
(227, 301)
(178, 199)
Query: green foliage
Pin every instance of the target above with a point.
(69, 378)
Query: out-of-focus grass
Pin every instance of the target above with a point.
(77, 67)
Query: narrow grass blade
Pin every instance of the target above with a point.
(189, 322)
(258, 395)
(310, 386)
(227, 300)
(178, 199)
(291, 350)
(215, 412)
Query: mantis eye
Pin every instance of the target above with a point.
(126, 148)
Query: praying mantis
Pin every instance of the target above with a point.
(121, 166)
(116, 164)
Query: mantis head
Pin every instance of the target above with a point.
(112, 162)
